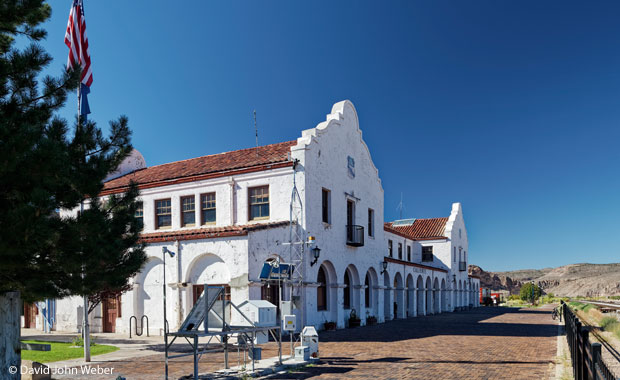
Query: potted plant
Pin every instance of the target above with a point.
(329, 325)
(354, 320)
(370, 319)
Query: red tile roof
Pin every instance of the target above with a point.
(421, 229)
(215, 165)
(207, 233)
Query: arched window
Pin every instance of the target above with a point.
(367, 291)
(347, 290)
(321, 291)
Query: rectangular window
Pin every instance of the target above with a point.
(163, 213)
(427, 253)
(188, 211)
(371, 222)
(326, 195)
(259, 202)
(140, 214)
(400, 251)
(389, 248)
(207, 208)
(408, 253)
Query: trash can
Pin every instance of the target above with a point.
(310, 339)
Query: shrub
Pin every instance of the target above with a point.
(530, 292)
(609, 323)
(79, 341)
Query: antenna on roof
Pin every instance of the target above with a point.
(401, 206)
(256, 130)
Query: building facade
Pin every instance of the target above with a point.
(228, 214)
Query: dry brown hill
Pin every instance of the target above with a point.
(590, 280)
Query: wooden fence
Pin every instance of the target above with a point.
(588, 363)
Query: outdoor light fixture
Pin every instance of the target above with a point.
(166, 250)
(316, 252)
(384, 266)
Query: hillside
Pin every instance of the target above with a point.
(592, 280)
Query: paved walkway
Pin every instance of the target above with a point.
(484, 343)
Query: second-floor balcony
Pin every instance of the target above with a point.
(462, 266)
(355, 235)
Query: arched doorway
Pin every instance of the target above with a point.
(421, 306)
(208, 269)
(445, 296)
(399, 302)
(371, 298)
(436, 297)
(327, 311)
(429, 296)
(410, 296)
(387, 299)
(351, 293)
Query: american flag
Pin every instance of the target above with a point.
(79, 54)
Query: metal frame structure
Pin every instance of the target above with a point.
(204, 311)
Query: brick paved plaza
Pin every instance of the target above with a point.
(484, 343)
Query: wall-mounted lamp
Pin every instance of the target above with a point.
(384, 266)
(316, 252)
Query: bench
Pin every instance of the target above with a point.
(36, 346)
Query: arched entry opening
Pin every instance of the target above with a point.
(399, 302)
(436, 297)
(371, 297)
(445, 296)
(351, 293)
(429, 296)
(327, 294)
(421, 303)
(207, 269)
(270, 290)
(387, 299)
(410, 296)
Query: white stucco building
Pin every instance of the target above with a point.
(225, 215)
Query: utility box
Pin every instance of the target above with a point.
(290, 322)
(286, 307)
(302, 353)
(310, 339)
(261, 313)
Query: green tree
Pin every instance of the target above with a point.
(47, 167)
(530, 292)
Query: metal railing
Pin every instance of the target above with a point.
(462, 266)
(588, 363)
(355, 235)
(141, 325)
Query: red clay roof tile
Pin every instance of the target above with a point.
(215, 163)
(207, 233)
(421, 229)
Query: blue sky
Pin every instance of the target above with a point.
(512, 108)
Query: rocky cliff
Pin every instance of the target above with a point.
(591, 280)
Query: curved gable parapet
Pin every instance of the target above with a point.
(341, 111)
(456, 210)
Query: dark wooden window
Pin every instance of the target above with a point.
(188, 211)
(427, 253)
(163, 213)
(371, 222)
(321, 291)
(207, 208)
(400, 251)
(140, 214)
(367, 292)
(408, 253)
(259, 202)
(389, 248)
(347, 291)
(325, 205)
